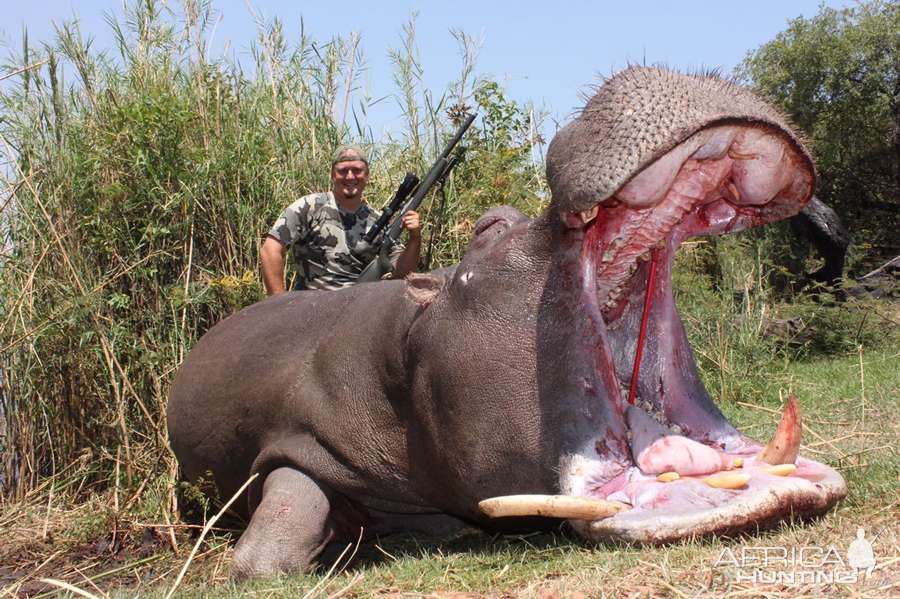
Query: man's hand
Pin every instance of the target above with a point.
(406, 261)
(411, 223)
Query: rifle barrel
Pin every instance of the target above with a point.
(439, 170)
(459, 133)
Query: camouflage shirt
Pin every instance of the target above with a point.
(326, 240)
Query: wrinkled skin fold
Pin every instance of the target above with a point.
(390, 406)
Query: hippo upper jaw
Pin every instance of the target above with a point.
(727, 174)
(722, 179)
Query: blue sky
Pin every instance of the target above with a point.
(546, 51)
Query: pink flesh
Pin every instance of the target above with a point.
(698, 173)
(647, 493)
(656, 449)
(721, 180)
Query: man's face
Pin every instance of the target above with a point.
(350, 178)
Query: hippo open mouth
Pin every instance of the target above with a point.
(670, 465)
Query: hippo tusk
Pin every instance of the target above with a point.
(551, 506)
(785, 445)
(589, 215)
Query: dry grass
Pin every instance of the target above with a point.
(473, 562)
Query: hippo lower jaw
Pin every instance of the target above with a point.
(720, 180)
(665, 512)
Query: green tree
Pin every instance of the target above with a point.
(837, 75)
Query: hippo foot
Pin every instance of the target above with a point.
(289, 529)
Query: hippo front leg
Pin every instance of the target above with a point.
(289, 529)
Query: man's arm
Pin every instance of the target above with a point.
(408, 260)
(271, 257)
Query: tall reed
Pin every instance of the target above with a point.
(138, 183)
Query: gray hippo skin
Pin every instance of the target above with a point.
(397, 405)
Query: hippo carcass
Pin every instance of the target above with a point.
(368, 408)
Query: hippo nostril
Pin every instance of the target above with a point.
(486, 223)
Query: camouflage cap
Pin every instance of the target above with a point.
(354, 153)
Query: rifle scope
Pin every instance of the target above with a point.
(406, 187)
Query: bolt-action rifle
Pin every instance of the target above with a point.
(441, 168)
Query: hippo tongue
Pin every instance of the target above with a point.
(656, 449)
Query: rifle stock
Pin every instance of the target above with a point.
(381, 265)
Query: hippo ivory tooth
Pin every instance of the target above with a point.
(551, 506)
(589, 215)
(734, 191)
(735, 156)
(785, 445)
(726, 481)
(720, 477)
(719, 481)
(780, 470)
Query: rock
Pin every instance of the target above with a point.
(883, 282)
(822, 226)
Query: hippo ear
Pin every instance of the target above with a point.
(421, 288)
